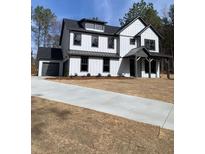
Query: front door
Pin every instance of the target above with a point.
(132, 67)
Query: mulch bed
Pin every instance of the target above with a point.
(87, 77)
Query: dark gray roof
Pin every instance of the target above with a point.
(144, 29)
(76, 25)
(144, 52)
(137, 51)
(49, 54)
(92, 54)
(92, 21)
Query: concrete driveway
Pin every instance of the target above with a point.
(135, 108)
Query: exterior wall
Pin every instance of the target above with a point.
(121, 45)
(86, 44)
(124, 67)
(40, 65)
(65, 42)
(95, 66)
(149, 34)
(133, 28)
(125, 46)
(127, 34)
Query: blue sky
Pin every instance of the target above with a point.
(107, 10)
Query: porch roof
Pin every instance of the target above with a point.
(93, 54)
(144, 52)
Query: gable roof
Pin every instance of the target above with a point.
(49, 53)
(129, 23)
(138, 50)
(76, 25)
(149, 26)
(144, 52)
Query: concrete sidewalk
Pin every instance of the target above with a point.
(135, 108)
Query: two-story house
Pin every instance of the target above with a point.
(90, 47)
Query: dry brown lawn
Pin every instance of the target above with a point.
(61, 128)
(159, 89)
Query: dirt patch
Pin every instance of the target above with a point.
(159, 88)
(62, 128)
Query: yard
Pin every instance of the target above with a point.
(62, 128)
(159, 89)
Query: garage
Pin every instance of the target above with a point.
(50, 69)
(50, 61)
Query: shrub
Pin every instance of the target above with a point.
(109, 75)
(75, 74)
(88, 75)
(99, 75)
(121, 75)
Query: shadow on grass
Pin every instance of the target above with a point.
(60, 113)
(37, 129)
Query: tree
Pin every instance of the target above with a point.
(42, 19)
(144, 10)
(54, 35)
(171, 13)
(167, 31)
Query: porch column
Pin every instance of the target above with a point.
(136, 66)
(149, 68)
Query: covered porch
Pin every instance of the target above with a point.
(144, 63)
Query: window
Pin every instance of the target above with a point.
(132, 41)
(84, 64)
(98, 27)
(94, 41)
(153, 66)
(94, 26)
(106, 65)
(89, 25)
(111, 42)
(77, 39)
(149, 44)
(138, 41)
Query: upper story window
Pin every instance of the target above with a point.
(84, 64)
(77, 39)
(98, 27)
(111, 42)
(94, 42)
(132, 41)
(94, 26)
(149, 44)
(90, 25)
(106, 65)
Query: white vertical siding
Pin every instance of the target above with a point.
(149, 34)
(133, 28)
(95, 66)
(86, 44)
(125, 45)
(124, 67)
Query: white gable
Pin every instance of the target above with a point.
(150, 34)
(133, 28)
